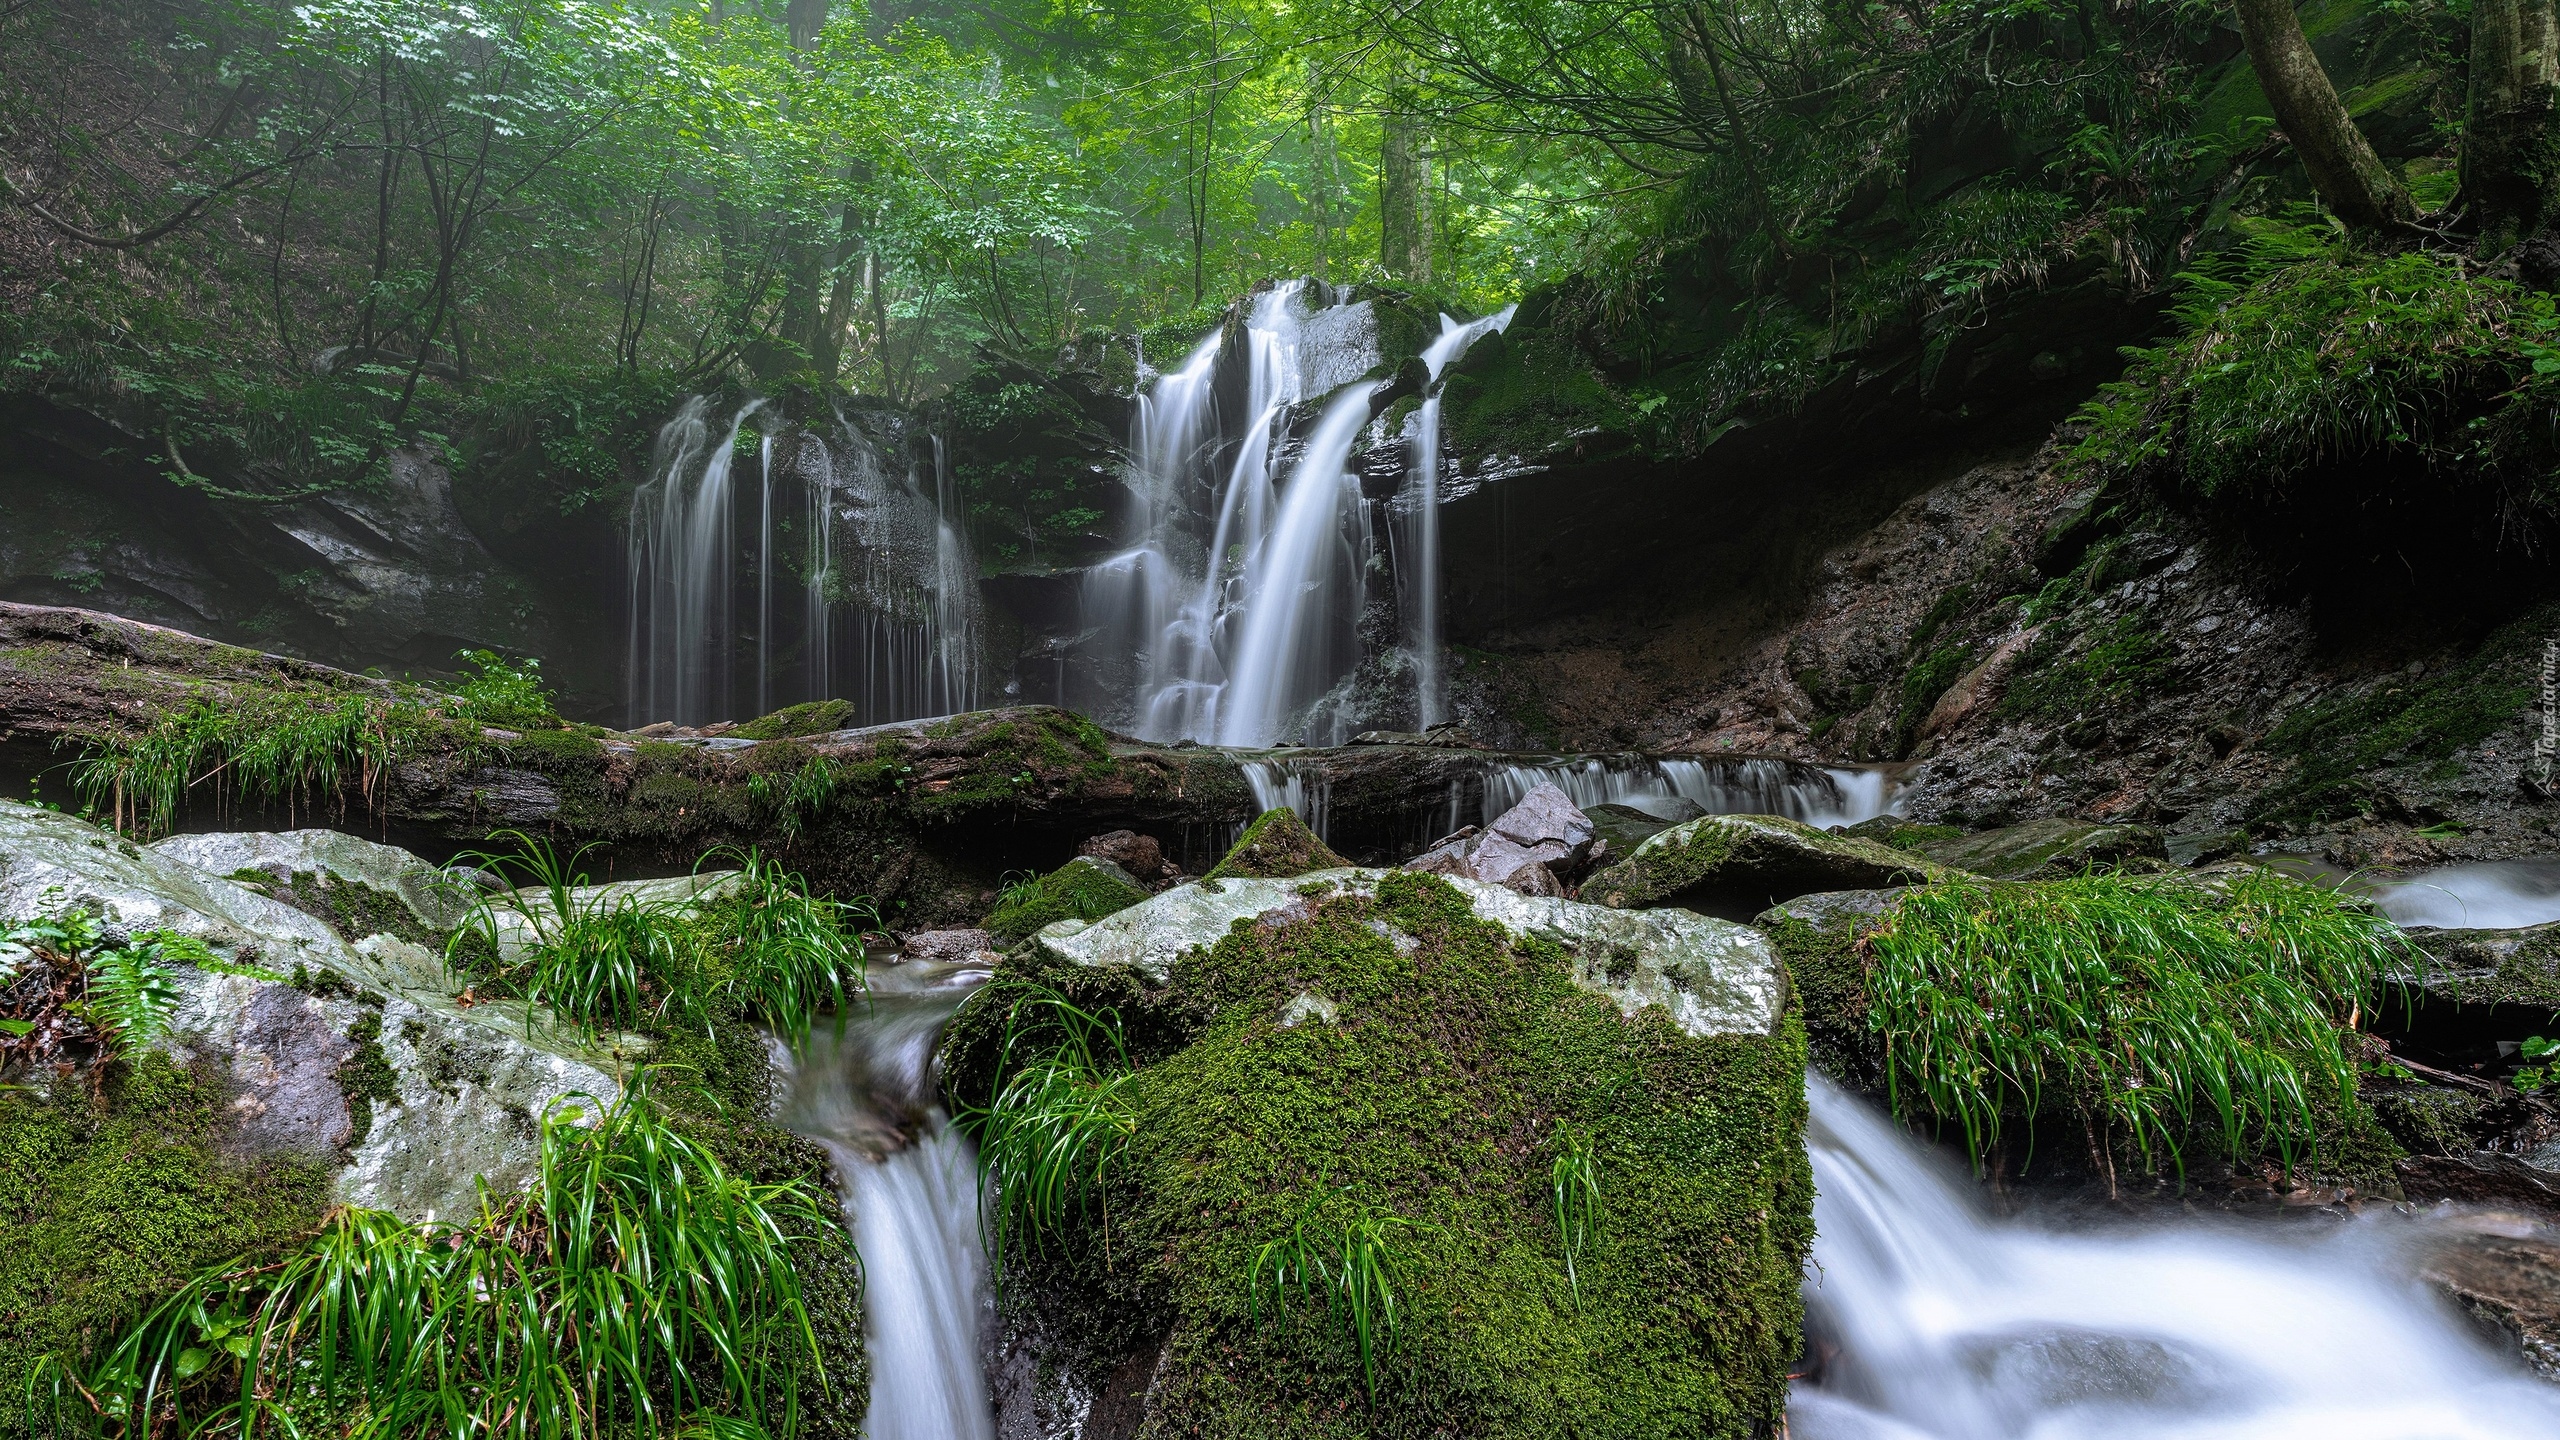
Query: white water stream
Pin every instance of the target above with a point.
(1426, 633)
(910, 1183)
(1933, 1321)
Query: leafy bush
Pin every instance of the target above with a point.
(637, 1289)
(2147, 1007)
(510, 695)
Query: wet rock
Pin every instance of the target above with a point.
(2205, 847)
(2491, 967)
(2050, 848)
(1739, 865)
(949, 947)
(1535, 847)
(1817, 939)
(1140, 855)
(2504, 1272)
(1277, 845)
(1624, 827)
(437, 899)
(1713, 977)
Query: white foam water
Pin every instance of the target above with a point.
(2498, 895)
(1932, 1321)
(865, 1092)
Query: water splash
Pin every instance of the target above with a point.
(2497, 895)
(865, 1093)
(681, 571)
(1931, 1321)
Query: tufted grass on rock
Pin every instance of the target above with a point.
(2152, 1008)
(1275, 846)
(639, 1289)
(265, 747)
(1061, 1119)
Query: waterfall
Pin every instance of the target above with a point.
(699, 538)
(865, 1092)
(1423, 627)
(1927, 1320)
(682, 585)
(1303, 587)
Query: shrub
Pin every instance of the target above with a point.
(498, 693)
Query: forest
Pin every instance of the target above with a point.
(1279, 719)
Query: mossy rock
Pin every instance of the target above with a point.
(2051, 848)
(1625, 827)
(815, 717)
(1275, 846)
(108, 1203)
(1738, 865)
(1817, 939)
(1901, 834)
(1085, 888)
(1371, 1048)
(2492, 967)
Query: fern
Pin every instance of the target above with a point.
(130, 996)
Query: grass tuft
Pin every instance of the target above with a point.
(638, 1289)
(264, 748)
(1059, 1121)
(2147, 1006)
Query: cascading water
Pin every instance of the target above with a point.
(1238, 597)
(1930, 1321)
(1833, 795)
(699, 539)
(1423, 626)
(866, 1093)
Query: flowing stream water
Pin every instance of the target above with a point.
(865, 1091)
(1931, 1320)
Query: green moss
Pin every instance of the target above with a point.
(1922, 685)
(366, 1077)
(107, 1205)
(1081, 889)
(1436, 1095)
(1524, 391)
(2065, 674)
(1751, 861)
(1275, 846)
(2340, 740)
(815, 717)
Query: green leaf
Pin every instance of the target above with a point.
(191, 1360)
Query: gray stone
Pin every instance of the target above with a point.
(439, 898)
(1739, 865)
(1710, 976)
(950, 947)
(473, 1079)
(1531, 847)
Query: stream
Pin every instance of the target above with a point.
(1931, 1320)
(864, 1090)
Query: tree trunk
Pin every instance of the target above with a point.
(2350, 177)
(804, 265)
(2510, 155)
(1404, 199)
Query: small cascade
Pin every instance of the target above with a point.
(2492, 895)
(887, 611)
(865, 1092)
(1425, 633)
(1756, 786)
(1277, 787)
(1925, 1319)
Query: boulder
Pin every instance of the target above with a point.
(1738, 865)
(1624, 827)
(436, 899)
(1140, 855)
(2051, 848)
(1085, 888)
(1816, 938)
(448, 1091)
(949, 947)
(2490, 967)
(1711, 977)
(1407, 1057)
(1534, 847)
(1277, 844)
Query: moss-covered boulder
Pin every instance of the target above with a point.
(1738, 865)
(1817, 940)
(1276, 845)
(1397, 1062)
(2050, 848)
(815, 717)
(2490, 967)
(1085, 888)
